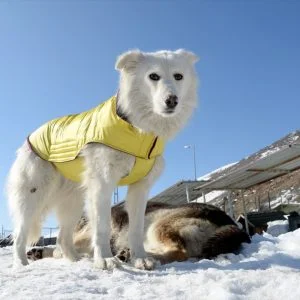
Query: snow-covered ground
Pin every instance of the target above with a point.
(278, 227)
(269, 268)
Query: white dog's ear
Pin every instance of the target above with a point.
(128, 60)
(192, 57)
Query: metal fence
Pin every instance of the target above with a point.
(47, 232)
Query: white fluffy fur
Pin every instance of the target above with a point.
(35, 187)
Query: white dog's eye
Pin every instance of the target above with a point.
(178, 76)
(154, 76)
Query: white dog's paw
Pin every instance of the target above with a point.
(147, 263)
(72, 256)
(107, 263)
(18, 263)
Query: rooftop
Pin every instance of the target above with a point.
(282, 157)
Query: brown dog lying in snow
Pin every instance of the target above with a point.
(172, 233)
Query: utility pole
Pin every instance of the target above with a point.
(193, 147)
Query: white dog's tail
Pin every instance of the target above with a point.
(20, 211)
(24, 197)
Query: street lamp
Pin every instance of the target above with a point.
(194, 153)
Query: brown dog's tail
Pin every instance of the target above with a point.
(226, 239)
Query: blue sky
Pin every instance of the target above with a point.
(57, 58)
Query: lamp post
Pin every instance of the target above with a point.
(194, 154)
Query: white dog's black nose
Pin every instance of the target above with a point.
(171, 101)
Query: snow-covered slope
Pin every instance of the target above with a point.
(269, 268)
(282, 190)
(216, 172)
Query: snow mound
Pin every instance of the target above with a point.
(268, 268)
(278, 227)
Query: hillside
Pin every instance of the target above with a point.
(281, 190)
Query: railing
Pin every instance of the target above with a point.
(48, 232)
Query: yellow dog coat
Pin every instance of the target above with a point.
(61, 140)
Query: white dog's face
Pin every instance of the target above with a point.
(161, 83)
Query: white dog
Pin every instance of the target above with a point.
(156, 97)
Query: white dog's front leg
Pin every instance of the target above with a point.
(136, 206)
(136, 202)
(100, 193)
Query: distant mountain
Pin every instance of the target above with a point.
(284, 189)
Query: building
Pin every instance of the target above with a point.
(238, 183)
